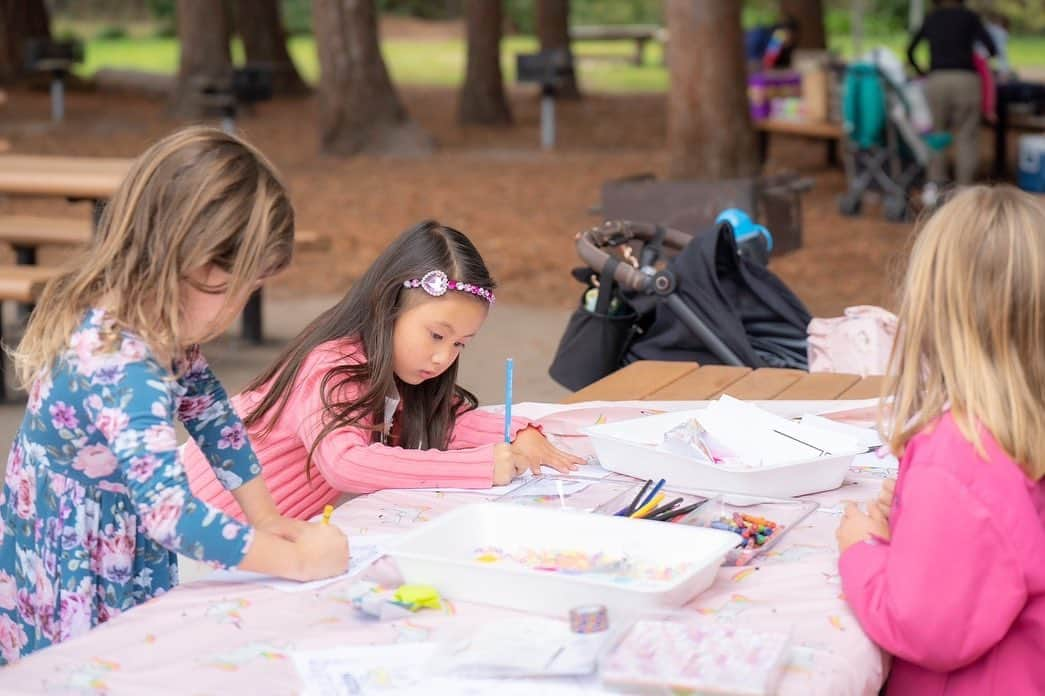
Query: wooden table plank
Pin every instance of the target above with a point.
(633, 382)
(819, 385)
(869, 387)
(702, 383)
(71, 177)
(764, 383)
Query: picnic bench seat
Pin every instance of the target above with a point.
(19, 284)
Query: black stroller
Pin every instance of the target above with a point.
(670, 296)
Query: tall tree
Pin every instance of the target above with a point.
(20, 20)
(710, 134)
(359, 109)
(553, 32)
(259, 24)
(809, 14)
(203, 35)
(482, 95)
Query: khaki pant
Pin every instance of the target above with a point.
(955, 102)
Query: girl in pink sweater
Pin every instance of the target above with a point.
(366, 397)
(947, 570)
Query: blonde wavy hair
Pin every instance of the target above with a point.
(196, 198)
(972, 326)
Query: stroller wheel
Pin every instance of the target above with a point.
(895, 209)
(849, 204)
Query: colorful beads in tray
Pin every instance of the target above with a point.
(755, 530)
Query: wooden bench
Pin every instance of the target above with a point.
(639, 33)
(827, 131)
(27, 233)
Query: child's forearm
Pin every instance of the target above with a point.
(273, 555)
(256, 501)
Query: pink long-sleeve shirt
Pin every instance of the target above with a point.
(346, 461)
(958, 593)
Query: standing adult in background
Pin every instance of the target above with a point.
(953, 85)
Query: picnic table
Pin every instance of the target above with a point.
(219, 637)
(93, 179)
(658, 380)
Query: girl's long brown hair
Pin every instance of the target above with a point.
(972, 326)
(368, 314)
(198, 197)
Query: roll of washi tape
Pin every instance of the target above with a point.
(591, 618)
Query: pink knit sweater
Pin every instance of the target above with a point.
(346, 460)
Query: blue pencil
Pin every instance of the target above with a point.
(508, 367)
(652, 493)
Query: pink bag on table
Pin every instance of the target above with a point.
(857, 343)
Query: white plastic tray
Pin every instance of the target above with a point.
(443, 553)
(631, 447)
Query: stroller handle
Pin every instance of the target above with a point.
(612, 233)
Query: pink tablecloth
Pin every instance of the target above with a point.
(227, 639)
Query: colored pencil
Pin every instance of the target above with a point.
(508, 369)
(655, 491)
(645, 509)
(634, 505)
(673, 515)
(664, 508)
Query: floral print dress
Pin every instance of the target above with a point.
(95, 502)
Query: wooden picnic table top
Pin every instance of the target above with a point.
(69, 177)
(655, 380)
(616, 31)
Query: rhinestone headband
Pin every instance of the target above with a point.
(436, 284)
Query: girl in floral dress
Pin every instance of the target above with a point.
(95, 502)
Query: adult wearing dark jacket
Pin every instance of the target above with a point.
(952, 87)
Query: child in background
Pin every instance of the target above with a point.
(947, 571)
(95, 501)
(368, 394)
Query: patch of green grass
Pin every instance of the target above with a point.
(604, 66)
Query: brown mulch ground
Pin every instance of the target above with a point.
(522, 207)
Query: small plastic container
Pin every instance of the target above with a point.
(561, 493)
(785, 513)
(668, 652)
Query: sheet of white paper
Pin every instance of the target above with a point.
(531, 646)
(400, 670)
(761, 438)
(871, 460)
(867, 436)
(364, 551)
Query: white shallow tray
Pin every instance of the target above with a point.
(631, 447)
(443, 553)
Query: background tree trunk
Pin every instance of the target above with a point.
(553, 31)
(203, 34)
(482, 95)
(260, 25)
(710, 134)
(359, 109)
(810, 17)
(20, 20)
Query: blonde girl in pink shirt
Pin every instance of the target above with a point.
(947, 570)
(366, 397)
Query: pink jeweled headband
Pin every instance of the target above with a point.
(435, 283)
